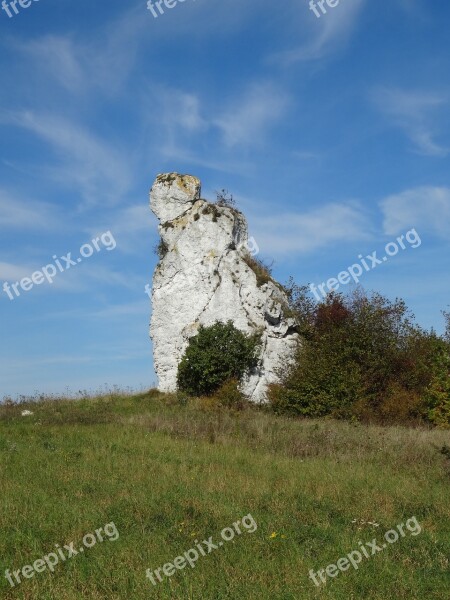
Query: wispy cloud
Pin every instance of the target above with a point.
(16, 213)
(425, 208)
(242, 122)
(250, 116)
(141, 307)
(174, 153)
(130, 226)
(415, 113)
(96, 169)
(88, 277)
(179, 109)
(328, 33)
(92, 276)
(83, 64)
(303, 233)
(12, 272)
(59, 57)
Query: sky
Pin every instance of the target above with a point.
(332, 132)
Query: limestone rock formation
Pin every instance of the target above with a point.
(206, 274)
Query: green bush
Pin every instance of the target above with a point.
(364, 357)
(215, 355)
(437, 393)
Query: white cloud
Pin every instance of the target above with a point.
(140, 307)
(97, 170)
(57, 55)
(130, 227)
(414, 113)
(247, 120)
(92, 277)
(330, 31)
(179, 154)
(181, 109)
(19, 214)
(11, 272)
(307, 232)
(243, 121)
(103, 62)
(87, 278)
(134, 219)
(424, 208)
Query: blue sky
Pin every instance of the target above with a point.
(332, 133)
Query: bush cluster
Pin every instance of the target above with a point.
(214, 356)
(362, 356)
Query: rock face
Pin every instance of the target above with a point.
(207, 274)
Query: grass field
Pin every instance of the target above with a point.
(166, 473)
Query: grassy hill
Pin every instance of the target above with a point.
(166, 475)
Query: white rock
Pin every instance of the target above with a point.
(204, 278)
(173, 195)
(26, 413)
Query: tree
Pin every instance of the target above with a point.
(447, 325)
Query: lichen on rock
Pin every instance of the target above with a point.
(204, 277)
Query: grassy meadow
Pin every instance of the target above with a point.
(167, 472)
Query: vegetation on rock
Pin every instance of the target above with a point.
(259, 268)
(161, 249)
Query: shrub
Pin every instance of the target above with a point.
(399, 404)
(364, 357)
(216, 354)
(229, 395)
(437, 393)
(262, 271)
(224, 198)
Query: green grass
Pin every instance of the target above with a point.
(167, 473)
